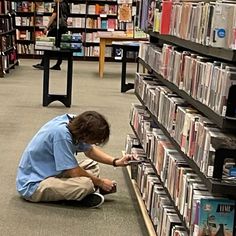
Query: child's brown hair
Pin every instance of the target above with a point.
(90, 127)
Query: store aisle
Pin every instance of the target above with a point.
(22, 113)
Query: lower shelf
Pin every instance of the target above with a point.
(146, 217)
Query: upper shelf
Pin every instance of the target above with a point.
(219, 53)
(220, 121)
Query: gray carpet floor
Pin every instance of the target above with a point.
(22, 113)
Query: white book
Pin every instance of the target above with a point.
(223, 14)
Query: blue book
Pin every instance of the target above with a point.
(104, 24)
(216, 217)
(79, 54)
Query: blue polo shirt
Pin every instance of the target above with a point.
(50, 152)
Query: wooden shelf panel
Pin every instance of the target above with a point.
(142, 206)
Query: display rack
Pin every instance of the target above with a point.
(84, 22)
(9, 57)
(217, 185)
(225, 123)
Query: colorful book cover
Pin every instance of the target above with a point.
(151, 10)
(216, 217)
(165, 17)
(25, 6)
(125, 12)
(104, 24)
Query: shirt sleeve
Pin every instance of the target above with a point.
(64, 155)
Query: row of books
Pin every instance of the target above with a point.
(75, 8)
(91, 51)
(209, 81)
(211, 23)
(7, 41)
(196, 136)
(185, 189)
(5, 24)
(109, 24)
(78, 8)
(205, 23)
(76, 22)
(24, 21)
(151, 190)
(164, 221)
(27, 35)
(107, 9)
(5, 7)
(27, 49)
(29, 6)
(92, 37)
(102, 23)
(8, 60)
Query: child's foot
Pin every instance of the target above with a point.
(92, 200)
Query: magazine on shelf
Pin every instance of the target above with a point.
(125, 12)
(216, 217)
(221, 24)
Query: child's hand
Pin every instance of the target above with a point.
(106, 184)
(124, 161)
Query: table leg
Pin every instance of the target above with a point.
(123, 70)
(125, 86)
(102, 47)
(46, 78)
(69, 79)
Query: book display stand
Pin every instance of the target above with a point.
(87, 17)
(9, 56)
(185, 123)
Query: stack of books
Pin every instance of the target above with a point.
(71, 41)
(44, 43)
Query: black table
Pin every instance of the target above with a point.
(63, 98)
(126, 47)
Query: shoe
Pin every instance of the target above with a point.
(38, 66)
(55, 67)
(92, 200)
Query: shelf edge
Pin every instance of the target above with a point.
(142, 207)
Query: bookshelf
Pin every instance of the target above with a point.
(87, 17)
(9, 57)
(189, 114)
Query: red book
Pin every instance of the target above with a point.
(165, 17)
